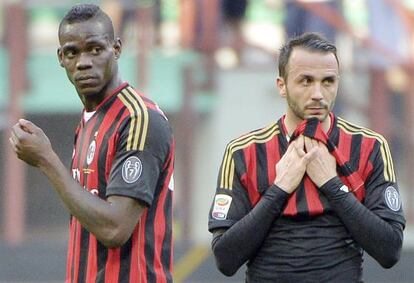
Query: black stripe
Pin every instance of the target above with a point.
(301, 201)
(166, 245)
(356, 142)
(324, 201)
(141, 107)
(261, 168)
(83, 259)
(149, 243)
(125, 261)
(283, 143)
(310, 127)
(102, 256)
(72, 271)
(79, 152)
(334, 135)
(150, 234)
(75, 139)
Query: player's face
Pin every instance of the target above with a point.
(89, 56)
(311, 85)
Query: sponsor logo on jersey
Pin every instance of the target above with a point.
(221, 206)
(91, 152)
(132, 169)
(392, 198)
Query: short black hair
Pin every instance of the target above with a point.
(309, 41)
(84, 12)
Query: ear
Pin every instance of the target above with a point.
(117, 47)
(60, 56)
(281, 85)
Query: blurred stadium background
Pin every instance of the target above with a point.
(211, 65)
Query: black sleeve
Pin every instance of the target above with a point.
(136, 170)
(248, 233)
(381, 237)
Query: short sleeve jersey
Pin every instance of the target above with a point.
(126, 148)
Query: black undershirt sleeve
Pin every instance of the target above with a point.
(380, 238)
(232, 247)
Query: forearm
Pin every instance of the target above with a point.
(100, 217)
(233, 247)
(379, 238)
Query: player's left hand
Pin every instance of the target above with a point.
(30, 143)
(322, 168)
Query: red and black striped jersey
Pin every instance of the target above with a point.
(126, 148)
(248, 169)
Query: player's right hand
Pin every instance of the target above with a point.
(30, 143)
(292, 166)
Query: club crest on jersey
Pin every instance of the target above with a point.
(91, 152)
(392, 198)
(131, 170)
(221, 206)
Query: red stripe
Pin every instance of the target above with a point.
(312, 198)
(70, 251)
(291, 208)
(142, 264)
(159, 232)
(77, 250)
(92, 268)
(273, 156)
(344, 145)
(365, 166)
(134, 271)
(251, 170)
(112, 265)
(159, 225)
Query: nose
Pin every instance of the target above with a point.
(317, 92)
(84, 62)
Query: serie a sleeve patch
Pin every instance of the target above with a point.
(221, 206)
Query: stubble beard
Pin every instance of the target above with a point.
(300, 113)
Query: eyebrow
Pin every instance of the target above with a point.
(68, 46)
(308, 76)
(331, 77)
(89, 41)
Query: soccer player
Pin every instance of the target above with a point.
(301, 199)
(119, 192)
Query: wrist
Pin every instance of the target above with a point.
(48, 162)
(333, 186)
(283, 187)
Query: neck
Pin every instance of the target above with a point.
(91, 102)
(291, 124)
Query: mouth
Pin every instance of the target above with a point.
(316, 110)
(85, 78)
(86, 81)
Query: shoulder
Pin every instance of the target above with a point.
(252, 138)
(353, 129)
(143, 119)
(141, 107)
